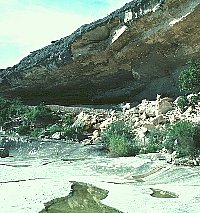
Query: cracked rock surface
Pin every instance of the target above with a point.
(37, 176)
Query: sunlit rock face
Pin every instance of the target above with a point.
(133, 53)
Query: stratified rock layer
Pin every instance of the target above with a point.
(133, 53)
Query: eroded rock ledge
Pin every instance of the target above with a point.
(131, 54)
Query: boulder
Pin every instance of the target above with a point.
(131, 54)
(95, 135)
(163, 107)
(105, 123)
(148, 108)
(86, 142)
(158, 120)
(149, 126)
(56, 136)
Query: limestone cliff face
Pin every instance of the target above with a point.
(131, 54)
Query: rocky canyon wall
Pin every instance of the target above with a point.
(133, 53)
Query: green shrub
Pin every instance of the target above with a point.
(10, 109)
(119, 128)
(183, 137)
(68, 119)
(154, 140)
(120, 141)
(36, 132)
(69, 131)
(41, 116)
(189, 79)
(23, 130)
(182, 103)
(196, 137)
(120, 145)
(193, 100)
(54, 128)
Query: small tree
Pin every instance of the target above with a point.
(189, 79)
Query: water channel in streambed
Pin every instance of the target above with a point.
(56, 176)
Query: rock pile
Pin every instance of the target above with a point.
(144, 117)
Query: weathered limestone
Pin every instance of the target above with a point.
(130, 55)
